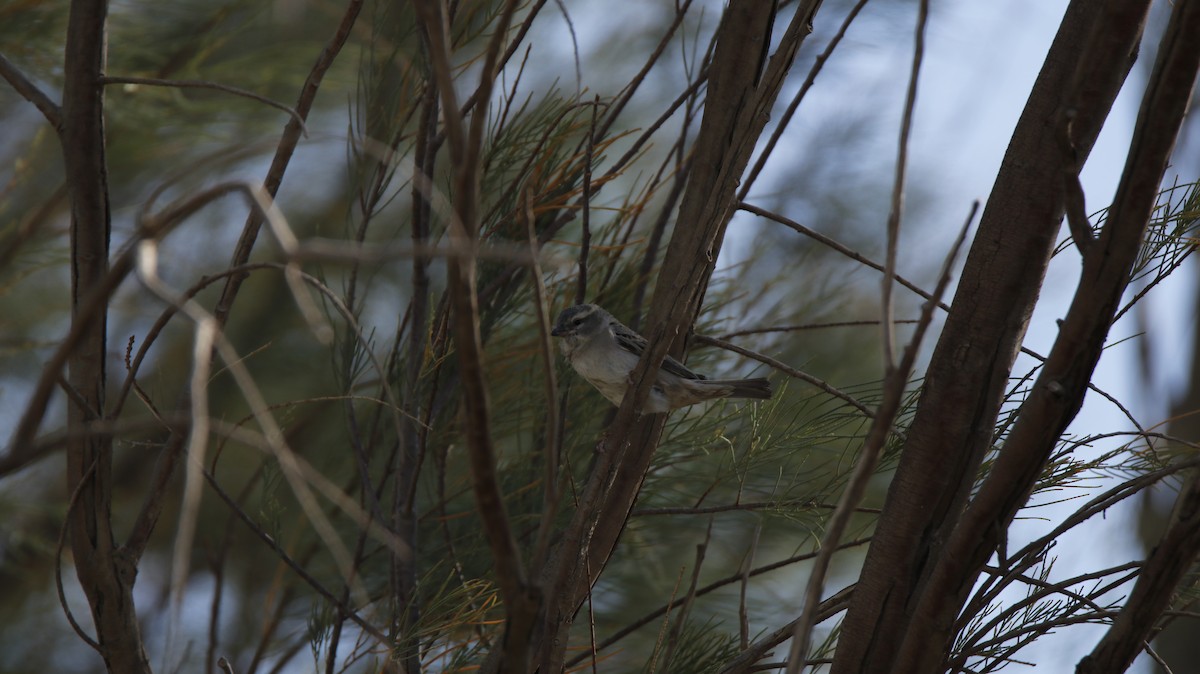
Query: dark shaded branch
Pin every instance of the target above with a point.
(965, 383)
(741, 92)
(105, 572)
(284, 151)
(466, 149)
(1166, 101)
(1058, 393)
(30, 91)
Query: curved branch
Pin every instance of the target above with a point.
(215, 86)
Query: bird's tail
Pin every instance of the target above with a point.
(759, 388)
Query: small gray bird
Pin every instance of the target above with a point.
(604, 352)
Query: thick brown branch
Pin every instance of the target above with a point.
(970, 367)
(1058, 392)
(466, 150)
(1166, 100)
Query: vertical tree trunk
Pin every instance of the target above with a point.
(107, 576)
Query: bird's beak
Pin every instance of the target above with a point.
(557, 332)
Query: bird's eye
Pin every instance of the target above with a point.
(577, 321)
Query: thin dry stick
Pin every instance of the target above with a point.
(215, 86)
(747, 564)
(287, 241)
(320, 249)
(713, 586)
(273, 434)
(745, 660)
(787, 115)
(864, 469)
(197, 442)
(737, 507)
(821, 238)
(553, 443)
(976, 644)
(262, 204)
(788, 370)
(893, 223)
(295, 566)
(666, 623)
(62, 541)
(810, 326)
(332, 492)
(1158, 659)
(465, 152)
(630, 89)
(688, 599)
(284, 151)
(585, 243)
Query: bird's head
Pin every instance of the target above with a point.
(581, 322)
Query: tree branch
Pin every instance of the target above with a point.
(965, 382)
(1166, 100)
(105, 573)
(1058, 393)
(30, 91)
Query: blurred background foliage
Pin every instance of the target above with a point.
(784, 461)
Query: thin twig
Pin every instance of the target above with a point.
(739, 507)
(787, 115)
(745, 660)
(291, 563)
(284, 151)
(273, 434)
(898, 188)
(713, 586)
(744, 586)
(788, 370)
(215, 86)
(864, 469)
(554, 423)
(585, 244)
(688, 599)
(664, 629)
(821, 238)
(62, 540)
(810, 326)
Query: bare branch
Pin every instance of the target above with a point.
(1058, 393)
(898, 187)
(204, 84)
(821, 238)
(30, 91)
(894, 388)
(788, 370)
(964, 384)
(283, 152)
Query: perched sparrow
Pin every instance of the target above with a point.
(604, 352)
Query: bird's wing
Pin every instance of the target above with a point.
(636, 344)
